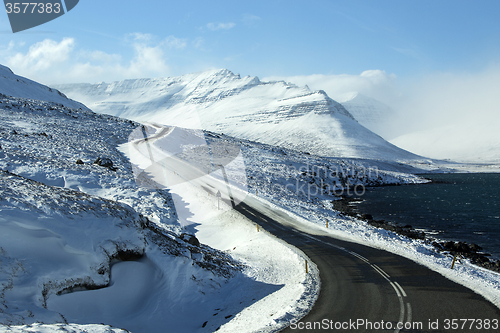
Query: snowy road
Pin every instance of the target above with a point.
(369, 287)
(363, 289)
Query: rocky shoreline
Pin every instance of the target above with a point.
(473, 252)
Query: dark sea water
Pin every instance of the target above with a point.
(463, 207)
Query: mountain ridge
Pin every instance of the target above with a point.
(18, 86)
(275, 112)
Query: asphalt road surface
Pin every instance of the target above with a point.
(362, 289)
(369, 290)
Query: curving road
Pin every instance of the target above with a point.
(368, 290)
(362, 289)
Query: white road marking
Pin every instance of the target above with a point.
(311, 237)
(359, 256)
(408, 311)
(378, 270)
(401, 305)
(400, 288)
(381, 271)
(396, 286)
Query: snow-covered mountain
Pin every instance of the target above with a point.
(81, 243)
(368, 111)
(276, 113)
(18, 86)
(471, 139)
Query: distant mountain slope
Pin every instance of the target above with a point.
(368, 111)
(18, 86)
(476, 140)
(276, 113)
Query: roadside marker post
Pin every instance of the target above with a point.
(307, 271)
(218, 195)
(455, 259)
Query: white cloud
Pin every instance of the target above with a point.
(372, 83)
(43, 55)
(441, 99)
(250, 20)
(452, 115)
(428, 102)
(220, 26)
(175, 43)
(100, 56)
(52, 61)
(140, 37)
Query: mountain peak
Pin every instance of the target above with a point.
(218, 100)
(5, 69)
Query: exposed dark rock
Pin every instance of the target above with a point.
(105, 162)
(128, 255)
(79, 161)
(367, 217)
(469, 251)
(475, 248)
(461, 249)
(191, 239)
(438, 246)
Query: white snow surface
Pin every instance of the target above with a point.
(18, 86)
(276, 113)
(68, 227)
(369, 112)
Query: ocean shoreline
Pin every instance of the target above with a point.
(346, 205)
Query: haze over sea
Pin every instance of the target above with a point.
(459, 207)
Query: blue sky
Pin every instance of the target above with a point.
(444, 52)
(262, 38)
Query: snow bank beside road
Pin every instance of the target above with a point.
(204, 205)
(311, 216)
(62, 221)
(268, 260)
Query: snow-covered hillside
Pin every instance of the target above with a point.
(18, 86)
(368, 111)
(276, 113)
(472, 138)
(81, 243)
